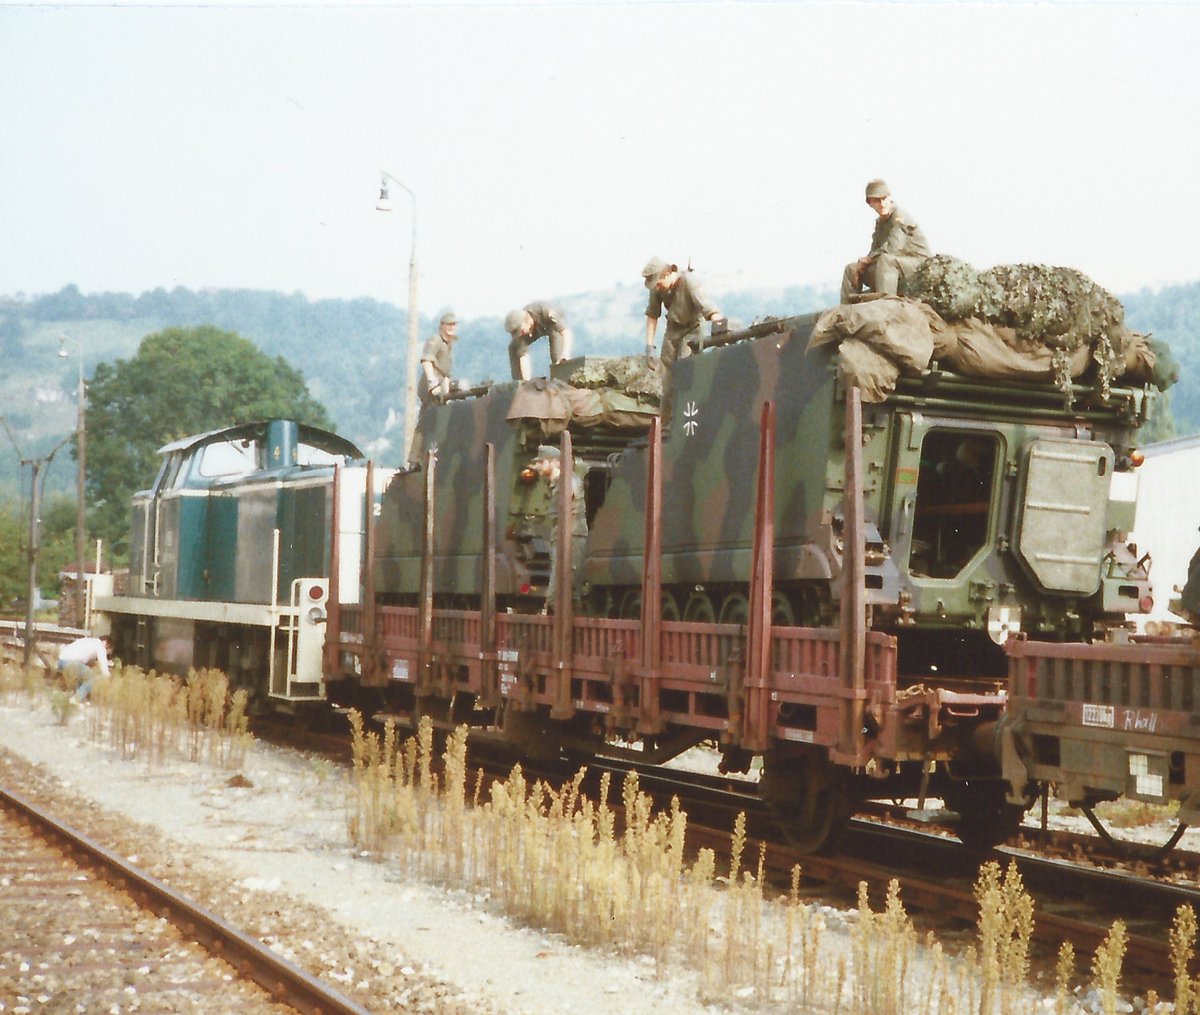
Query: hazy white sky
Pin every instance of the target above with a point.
(554, 147)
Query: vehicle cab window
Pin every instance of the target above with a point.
(954, 500)
(228, 458)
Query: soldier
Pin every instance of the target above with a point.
(437, 361)
(435, 382)
(526, 327)
(548, 465)
(898, 248)
(687, 307)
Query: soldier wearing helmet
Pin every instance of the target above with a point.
(687, 308)
(898, 247)
(526, 326)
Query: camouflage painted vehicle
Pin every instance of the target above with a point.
(988, 508)
(787, 574)
(230, 556)
(514, 419)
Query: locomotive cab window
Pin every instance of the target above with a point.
(229, 458)
(954, 498)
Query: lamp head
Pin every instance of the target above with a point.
(384, 203)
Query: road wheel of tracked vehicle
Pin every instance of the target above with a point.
(735, 610)
(782, 614)
(809, 798)
(631, 606)
(987, 818)
(699, 609)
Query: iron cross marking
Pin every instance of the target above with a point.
(692, 423)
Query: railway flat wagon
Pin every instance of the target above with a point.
(1104, 721)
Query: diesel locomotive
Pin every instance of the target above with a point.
(229, 556)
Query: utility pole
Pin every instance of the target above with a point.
(34, 506)
(35, 499)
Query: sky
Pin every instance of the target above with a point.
(554, 147)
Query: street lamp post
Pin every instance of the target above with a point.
(411, 365)
(80, 475)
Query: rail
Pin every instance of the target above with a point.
(286, 982)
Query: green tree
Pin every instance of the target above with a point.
(182, 381)
(56, 547)
(14, 559)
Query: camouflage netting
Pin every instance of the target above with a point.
(883, 338)
(1053, 306)
(630, 374)
(1059, 309)
(1017, 321)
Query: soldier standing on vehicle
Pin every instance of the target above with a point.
(526, 326)
(898, 248)
(548, 465)
(435, 382)
(687, 308)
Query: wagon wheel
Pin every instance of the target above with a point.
(699, 609)
(986, 819)
(1142, 851)
(735, 610)
(809, 798)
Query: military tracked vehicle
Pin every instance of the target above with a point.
(988, 507)
(514, 419)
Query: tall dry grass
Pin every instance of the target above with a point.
(554, 858)
(158, 717)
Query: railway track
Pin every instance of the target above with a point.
(91, 932)
(1075, 901)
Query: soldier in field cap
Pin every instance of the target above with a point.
(898, 247)
(526, 326)
(436, 381)
(686, 304)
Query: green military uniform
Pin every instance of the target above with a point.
(579, 529)
(898, 247)
(440, 353)
(688, 306)
(548, 323)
